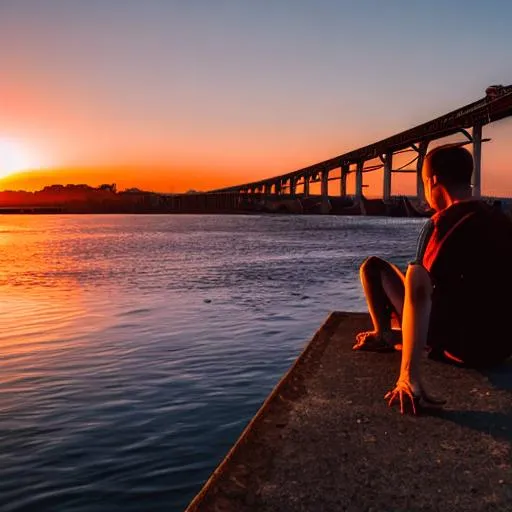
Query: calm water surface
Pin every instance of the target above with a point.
(134, 349)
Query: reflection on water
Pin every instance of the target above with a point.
(134, 349)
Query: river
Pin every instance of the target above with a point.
(134, 349)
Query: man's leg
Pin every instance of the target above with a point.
(383, 286)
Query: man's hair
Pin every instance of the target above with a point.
(451, 163)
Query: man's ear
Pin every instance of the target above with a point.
(434, 179)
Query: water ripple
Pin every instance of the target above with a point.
(135, 349)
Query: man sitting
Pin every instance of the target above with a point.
(454, 298)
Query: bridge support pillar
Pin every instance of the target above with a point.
(267, 189)
(388, 167)
(326, 205)
(477, 160)
(325, 185)
(306, 185)
(420, 191)
(359, 180)
(343, 180)
(293, 186)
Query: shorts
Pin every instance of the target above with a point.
(468, 335)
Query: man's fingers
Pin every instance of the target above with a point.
(413, 402)
(402, 395)
(410, 396)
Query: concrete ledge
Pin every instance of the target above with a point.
(324, 439)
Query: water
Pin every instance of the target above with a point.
(134, 349)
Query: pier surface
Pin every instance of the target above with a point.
(325, 440)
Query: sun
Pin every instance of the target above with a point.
(14, 157)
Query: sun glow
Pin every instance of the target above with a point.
(14, 157)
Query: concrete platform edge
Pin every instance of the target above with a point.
(315, 346)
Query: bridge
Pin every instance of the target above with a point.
(467, 120)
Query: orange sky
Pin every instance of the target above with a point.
(120, 152)
(157, 176)
(170, 98)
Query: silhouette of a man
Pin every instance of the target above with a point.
(450, 298)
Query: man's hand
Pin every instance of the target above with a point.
(409, 399)
(404, 393)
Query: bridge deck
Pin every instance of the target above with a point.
(324, 439)
(486, 110)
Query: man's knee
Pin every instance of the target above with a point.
(418, 285)
(371, 265)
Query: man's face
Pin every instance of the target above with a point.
(429, 185)
(426, 181)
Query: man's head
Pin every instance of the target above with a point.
(447, 174)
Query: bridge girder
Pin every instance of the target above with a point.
(492, 107)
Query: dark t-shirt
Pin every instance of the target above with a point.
(467, 249)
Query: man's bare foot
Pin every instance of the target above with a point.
(374, 341)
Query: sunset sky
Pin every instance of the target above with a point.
(170, 95)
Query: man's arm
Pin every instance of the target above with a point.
(415, 322)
